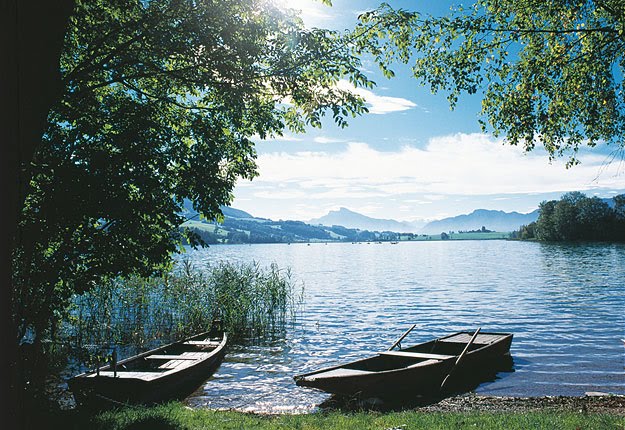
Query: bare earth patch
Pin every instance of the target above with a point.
(592, 402)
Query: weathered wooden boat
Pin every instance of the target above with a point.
(421, 369)
(169, 372)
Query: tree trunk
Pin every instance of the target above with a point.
(32, 40)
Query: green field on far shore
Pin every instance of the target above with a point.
(467, 236)
(221, 235)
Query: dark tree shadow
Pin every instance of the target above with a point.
(153, 423)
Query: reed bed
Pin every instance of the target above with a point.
(137, 313)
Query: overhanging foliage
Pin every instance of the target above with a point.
(161, 100)
(549, 73)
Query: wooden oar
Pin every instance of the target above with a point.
(114, 362)
(398, 341)
(460, 357)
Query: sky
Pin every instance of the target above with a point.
(410, 158)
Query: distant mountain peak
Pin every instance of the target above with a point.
(234, 213)
(495, 220)
(343, 210)
(227, 211)
(348, 218)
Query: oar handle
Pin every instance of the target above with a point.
(398, 341)
(460, 357)
(466, 348)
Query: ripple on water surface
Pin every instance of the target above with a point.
(564, 304)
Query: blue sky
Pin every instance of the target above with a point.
(411, 158)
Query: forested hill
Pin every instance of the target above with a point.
(574, 217)
(241, 227)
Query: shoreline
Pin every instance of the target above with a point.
(471, 402)
(592, 402)
(470, 410)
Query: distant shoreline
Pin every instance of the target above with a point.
(450, 236)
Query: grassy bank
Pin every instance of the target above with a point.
(176, 416)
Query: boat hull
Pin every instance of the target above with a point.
(397, 373)
(103, 388)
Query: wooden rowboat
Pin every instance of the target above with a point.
(169, 372)
(420, 369)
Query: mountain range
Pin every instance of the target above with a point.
(490, 219)
(346, 218)
(343, 225)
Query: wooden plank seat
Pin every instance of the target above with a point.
(482, 338)
(423, 363)
(202, 343)
(184, 360)
(170, 357)
(417, 355)
(146, 376)
(337, 373)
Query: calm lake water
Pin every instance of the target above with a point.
(565, 305)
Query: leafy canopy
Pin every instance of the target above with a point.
(550, 72)
(160, 101)
(577, 217)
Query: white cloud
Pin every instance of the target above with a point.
(462, 164)
(433, 197)
(280, 195)
(324, 140)
(366, 208)
(378, 105)
(313, 13)
(451, 175)
(283, 138)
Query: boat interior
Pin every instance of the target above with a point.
(173, 357)
(428, 353)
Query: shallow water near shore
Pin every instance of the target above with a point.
(565, 305)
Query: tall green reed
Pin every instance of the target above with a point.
(250, 300)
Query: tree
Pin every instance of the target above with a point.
(578, 217)
(619, 206)
(545, 225)
(594, 218)
(159, 102)
(32, 38)
(618, 223)
(565, 216)
(549, 73)
(527, 232)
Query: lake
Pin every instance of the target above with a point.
(565, 305)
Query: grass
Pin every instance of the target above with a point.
(466, 236)
(210, 228)
(478, 236)
(223, 233)
(176, 416)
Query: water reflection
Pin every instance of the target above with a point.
(564, 304)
